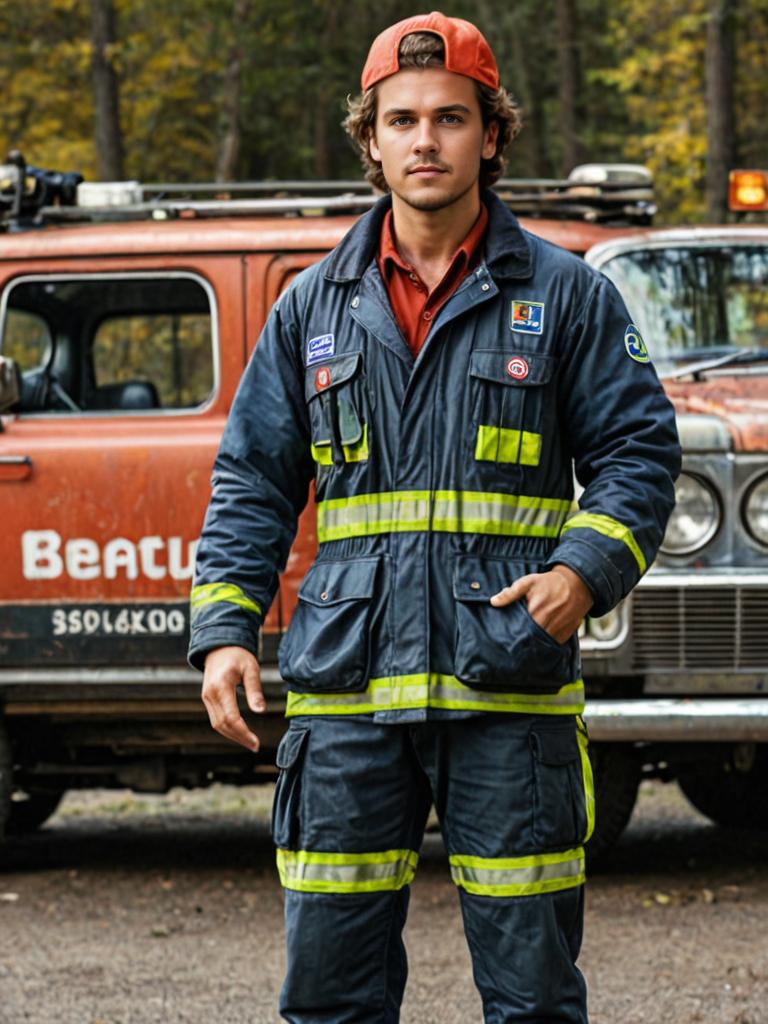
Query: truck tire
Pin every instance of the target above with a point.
(732, 790)
(28, 811)
(6, 766)
(617, 772)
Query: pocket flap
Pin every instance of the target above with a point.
(290, 746)
(477, 579)
(328, 583)
(493, 364)
(555, 746)
(329, 373)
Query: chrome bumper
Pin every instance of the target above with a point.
(722, 721)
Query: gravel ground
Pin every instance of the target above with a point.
(129, 909)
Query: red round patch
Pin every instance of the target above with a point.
(322, 378)
(517, 368)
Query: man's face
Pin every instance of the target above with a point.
(429, 136)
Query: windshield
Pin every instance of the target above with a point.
(696, 302)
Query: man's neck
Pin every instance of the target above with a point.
(427, 239)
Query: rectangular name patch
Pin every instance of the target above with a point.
(527, 317)
(320, 348)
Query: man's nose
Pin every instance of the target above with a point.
(426, 140)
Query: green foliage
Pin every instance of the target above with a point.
(642, 96)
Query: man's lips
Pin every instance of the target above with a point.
(427, 171)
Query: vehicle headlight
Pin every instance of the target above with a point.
(605, 628)
(695, 518)
(755, 511)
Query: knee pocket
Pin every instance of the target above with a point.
(560, 784)
(287, 799)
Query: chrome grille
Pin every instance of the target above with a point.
(700, 628)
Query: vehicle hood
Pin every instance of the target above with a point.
(733, 409)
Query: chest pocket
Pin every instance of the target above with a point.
(508, 390)
(335, 397)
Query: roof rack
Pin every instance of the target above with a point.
(32, 198)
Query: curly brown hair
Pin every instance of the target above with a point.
(425, 50)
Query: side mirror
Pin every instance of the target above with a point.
(10, 384)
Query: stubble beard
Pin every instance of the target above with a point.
(431, 203)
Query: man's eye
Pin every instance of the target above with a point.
(451, 118)
(398, 121)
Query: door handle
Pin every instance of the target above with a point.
(15, 467)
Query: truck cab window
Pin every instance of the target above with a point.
(110, 343)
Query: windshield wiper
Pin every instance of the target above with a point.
(744, 355)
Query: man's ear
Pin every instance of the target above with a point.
(373, 148)
(490, 137)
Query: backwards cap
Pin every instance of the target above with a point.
(466, 49)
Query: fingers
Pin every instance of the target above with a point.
(252, 684)
(225, 669)
(514, 592)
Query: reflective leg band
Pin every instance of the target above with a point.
(346, 872)
(210, 593)
(608, 528)
(506, 515)
(519, 876)
(429, 689)
(586, 770)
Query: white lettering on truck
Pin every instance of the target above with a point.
(84, 559)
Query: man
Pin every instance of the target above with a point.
(439, 374)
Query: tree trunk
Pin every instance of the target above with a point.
(569, 85)
(720, 133)
(109, 139)
(229, 152)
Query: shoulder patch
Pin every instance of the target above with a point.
(320, 348)
(635, 346)
(527, 317)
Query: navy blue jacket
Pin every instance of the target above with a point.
(438, 481)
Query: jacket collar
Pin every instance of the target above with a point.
(507, 250)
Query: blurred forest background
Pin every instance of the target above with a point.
(204, 90)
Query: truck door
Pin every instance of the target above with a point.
(268, 277)
(105, 466)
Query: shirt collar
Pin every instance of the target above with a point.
(388, 255)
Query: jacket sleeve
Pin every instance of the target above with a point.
(260, 484)
(621, 431)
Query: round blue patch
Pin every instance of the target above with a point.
(635, 346)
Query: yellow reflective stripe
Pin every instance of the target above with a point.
(357, 452)
(586, 771)
(212, 593)
(430, 689)
(519, 876)
(307, 871)
(609, 528)
(499, 444)
(509, 515)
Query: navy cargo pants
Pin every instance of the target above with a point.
(514, 797)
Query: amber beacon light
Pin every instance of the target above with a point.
(748, 190)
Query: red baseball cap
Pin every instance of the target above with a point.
(466, 50)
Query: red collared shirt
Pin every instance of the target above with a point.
(414, 306)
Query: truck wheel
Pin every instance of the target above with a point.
(5, 779)
(29, 810)
(617, 779)
(732, 790)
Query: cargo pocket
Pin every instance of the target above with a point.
(327, 646)
(559, 789)
(287, 798)
(503, 648)
(335, 398)
(509, 390)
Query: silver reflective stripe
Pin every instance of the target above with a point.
(392, 693)
(519, 876)
(442, 511)
(308, 871)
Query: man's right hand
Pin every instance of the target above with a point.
(225, 669)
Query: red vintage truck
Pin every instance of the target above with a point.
(126, 321)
